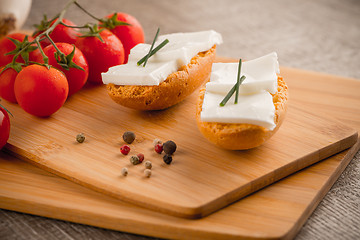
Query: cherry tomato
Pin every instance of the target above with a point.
(128, 35)
(7, 80)
(101, 55)
(76, 77)
(41, 91)
(61, 33)
(7, 45)
(4, 127)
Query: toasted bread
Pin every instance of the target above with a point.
(173, 90)
(236, 136)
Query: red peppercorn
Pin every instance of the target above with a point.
(125, 149)
(141, 157)
(159, 148)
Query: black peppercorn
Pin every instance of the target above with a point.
(169, 147)
(80, 138)
(129, 137)
(167, 158)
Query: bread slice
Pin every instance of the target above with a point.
(235, 136)
(173, 90)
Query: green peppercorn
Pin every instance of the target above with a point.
(129, 137)
(167, 158)
(169, 147)
(134, 160)
(80, 138)
(148, 165)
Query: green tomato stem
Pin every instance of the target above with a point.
(85, 11)
(46, 33)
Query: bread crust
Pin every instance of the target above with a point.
(173, 90)
(243, 136)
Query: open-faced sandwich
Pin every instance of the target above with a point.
(170, 75)
(261, 103)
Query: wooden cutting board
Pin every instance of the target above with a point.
(277, 211)
(202, 177)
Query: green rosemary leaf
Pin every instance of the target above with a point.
(228, 96)
(237, 81)
(152, 46)
(231, 92)
(161, 45)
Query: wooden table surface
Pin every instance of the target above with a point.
(313, 35)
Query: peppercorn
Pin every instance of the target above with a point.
(141, 157)
(124, 171)
(125, 149)
(134, 160)
(148, 165)
(80, 138)
(167, 158)
(157, 141)
(159, 148)
(147, 173)
(169, 147)
(129, 137)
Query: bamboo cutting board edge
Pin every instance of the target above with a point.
(202, 211)
(215, 204)
(176, 228)
(323, 191)
(342, 163)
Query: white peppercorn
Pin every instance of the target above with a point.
(156, 142)
(147, 173)
(124, 171)
(148, 165)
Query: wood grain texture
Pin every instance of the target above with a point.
(276, 212)
(202, 177)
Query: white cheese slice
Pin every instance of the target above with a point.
(255, 103)
(132, 74)
(260, 73)
(182, 47)
(257, 109)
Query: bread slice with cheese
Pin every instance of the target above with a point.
(241, 136)
(148, 91)
(258, 112)
(174, 89)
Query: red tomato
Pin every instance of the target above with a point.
(76, 77)
(41, 91)
(4, 127)
(128, 35)
(101, 55)
(7, 46)
(61, 33)
(7, 80)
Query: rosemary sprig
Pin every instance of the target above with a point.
(231, 92)
(152, 46)
(153, 51)
(235, 88)
(228, 96)
(237, 83)
(161, 45)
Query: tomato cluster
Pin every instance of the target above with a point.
(41, 80)
(41, 89)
